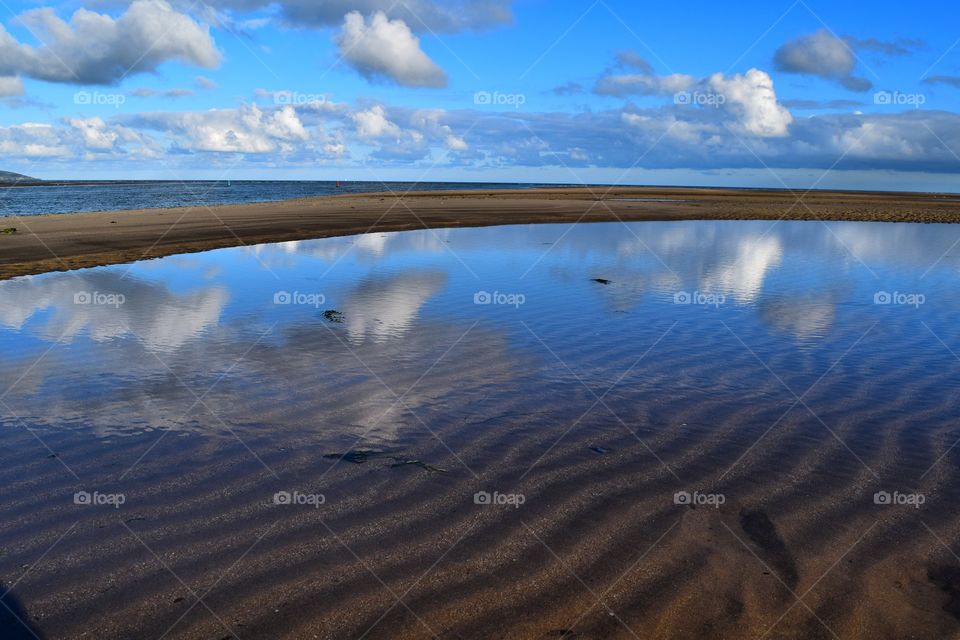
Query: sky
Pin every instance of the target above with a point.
(802, 94)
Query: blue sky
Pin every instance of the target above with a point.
(805, 93)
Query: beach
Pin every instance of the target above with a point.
(58, 242)
(680, 430)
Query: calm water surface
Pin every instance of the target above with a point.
(460, 325)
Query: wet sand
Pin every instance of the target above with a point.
(69, 241)
(598, 550)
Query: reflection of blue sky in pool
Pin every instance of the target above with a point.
(798, 293)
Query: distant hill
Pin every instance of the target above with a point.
(9, 176)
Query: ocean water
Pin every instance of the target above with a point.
(67, 197)
(796, 382)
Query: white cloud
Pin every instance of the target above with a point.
(96, 134)
(373, 123)
(383, 49)
(455, 143)
(752, 100)
(95, 48)
(11, 86)
(667, 137)
(247, 129)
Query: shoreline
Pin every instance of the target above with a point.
(61, 242)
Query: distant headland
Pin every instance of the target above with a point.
(9, 176)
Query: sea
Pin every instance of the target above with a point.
(78, 196)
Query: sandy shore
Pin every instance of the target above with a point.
(70, 241)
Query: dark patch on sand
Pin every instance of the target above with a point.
(402, 462)
(947, 577)
(358, 456)
(15, 622)
(761, 530)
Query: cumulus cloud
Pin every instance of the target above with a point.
(247, 129)
(752, 100)
(383, 49)
(76, 138)
(821, 54)
(33, 140)
(95, 48)
(749, 128)
(372, 124)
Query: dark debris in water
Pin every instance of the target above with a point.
(947, 577)
(332, 315)
(599, 450)
(361, 456)
(601, 280)
(401, 462)
(358, 456)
